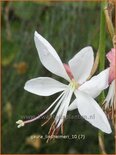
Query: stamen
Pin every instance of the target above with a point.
(62, 112)
(61, 108)
(40, 115)
(59, 103)
(46, 121)
(113, 112)
(51, 131)
(62, 128)
(57, 130)
(52, 126)
(54, 131)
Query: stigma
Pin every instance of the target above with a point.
(20, 123)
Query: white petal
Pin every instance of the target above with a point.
(44, 86)
(81, 64)
(73, 105)
(110, 96)
(92, 112)
(97, 84)
(48, 57)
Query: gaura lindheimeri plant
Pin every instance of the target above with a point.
(110, 98)
(76, 73)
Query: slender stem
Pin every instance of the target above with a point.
(102, 39)
(101, 50)
(101, 142)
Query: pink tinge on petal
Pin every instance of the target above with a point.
(111, 56)
(68, 70)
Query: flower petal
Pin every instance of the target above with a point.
(73, 105)
(110, 96)
(96, 84)
(91, 111)
(44, 86)
(48, 57)
(81, 64)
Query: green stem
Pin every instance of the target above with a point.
(101, 50)
(102, 42)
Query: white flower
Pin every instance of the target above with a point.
(85, 91)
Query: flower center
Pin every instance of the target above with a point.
(74, 85)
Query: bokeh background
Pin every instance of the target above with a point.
(68, 26)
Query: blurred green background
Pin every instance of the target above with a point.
(68, 27)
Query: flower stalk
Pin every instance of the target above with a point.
(101, 49)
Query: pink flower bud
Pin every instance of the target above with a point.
(111, 56)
